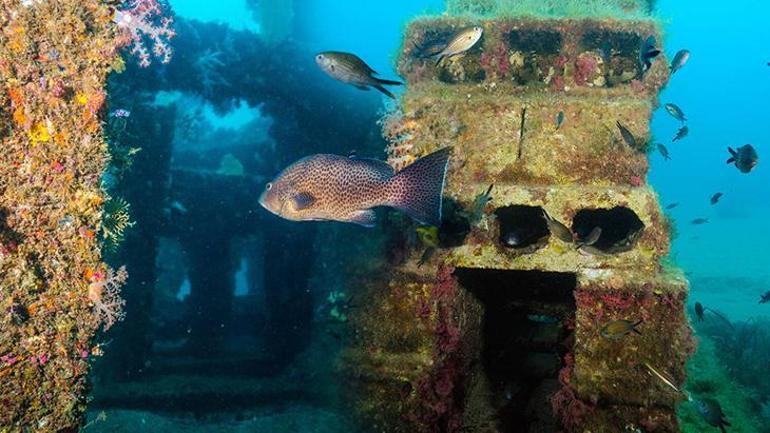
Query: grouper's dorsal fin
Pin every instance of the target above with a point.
(303, 200)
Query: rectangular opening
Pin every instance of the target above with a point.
(527, 329)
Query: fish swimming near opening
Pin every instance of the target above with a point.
(680, 59)
(618, 329)
(589, 250)
(745, 158)
(591, 238)
(676, 112)
(682, 133)
(479, 204)
(715, 198)
(350, 69)
(558, 229)
(647, 53)
(461, 42)
(559, 120)
(327, 187)
(711, 412)
(428, 236)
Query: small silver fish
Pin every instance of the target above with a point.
(461, 42)
(558, 229)
(626, 243)
(588, 250)
(715, 198)
(682, 133)
(337, 188)
(663, 151)
(700, 221)
(350, 69)
(680, 59)
(676, 112)
(592, 238)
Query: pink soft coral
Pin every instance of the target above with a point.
(565, 403)
(104, 294)
(142, 19)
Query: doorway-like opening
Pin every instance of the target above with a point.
(526, 331)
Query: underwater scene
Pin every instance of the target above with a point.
(415, 216)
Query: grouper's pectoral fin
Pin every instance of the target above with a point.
(366, 218)
(303, 200)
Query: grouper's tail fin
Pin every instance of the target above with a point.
(418, 189)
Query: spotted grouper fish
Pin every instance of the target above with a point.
(338, 188)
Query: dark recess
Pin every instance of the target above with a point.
(620, 227)
(522, 228)
(526, 333)
(454, 225)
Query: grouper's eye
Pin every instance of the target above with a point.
(269, 186)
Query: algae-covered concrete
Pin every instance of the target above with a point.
(494, 321)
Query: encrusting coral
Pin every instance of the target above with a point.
(55, 291)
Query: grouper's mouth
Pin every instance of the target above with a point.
(264, 205)
(263, 202)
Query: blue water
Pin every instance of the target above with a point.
(723, 90)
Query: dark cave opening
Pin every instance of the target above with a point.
(620, 228)
(527, 329)
(522, 228)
